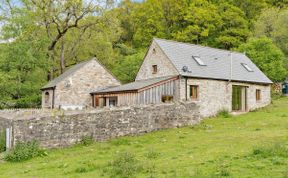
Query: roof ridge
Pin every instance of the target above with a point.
(201, 46)
(154, 78)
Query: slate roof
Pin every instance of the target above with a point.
(66, 74)
(217, 62)
(134, 86)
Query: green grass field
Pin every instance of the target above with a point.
(249, 145)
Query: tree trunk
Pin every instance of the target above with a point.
(62, 57)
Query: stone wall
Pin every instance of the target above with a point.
(64, 129)
(75, 89)
(4, 123)
(155, 56)
(216, 95)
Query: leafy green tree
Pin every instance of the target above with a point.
(267, 56)
(22, 73)
(234, 29)
(201, 21)
(127, 68)
(273, 23)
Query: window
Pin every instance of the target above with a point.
(112, 101)
(198, 60)
(167, 98)
(258, 95)
(194, 89)
(154, 67)
(247, 67)
(47, 97)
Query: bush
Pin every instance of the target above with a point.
(86, 140)
(125, 165)
(24, 151)
(224, 114)
(2, 141)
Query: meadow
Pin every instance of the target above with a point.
(249, 145)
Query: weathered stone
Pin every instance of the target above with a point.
(216, 95)
(155, 56)
(75, 89)
(65, 130)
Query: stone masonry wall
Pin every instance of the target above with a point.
(216, 95)
(4, 123)
(63, 130)
(91, 77)
(155, 56)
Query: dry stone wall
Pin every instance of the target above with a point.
(64, 130)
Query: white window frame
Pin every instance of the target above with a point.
(247, 67)
(199, 60)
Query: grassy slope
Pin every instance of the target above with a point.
(220, 146)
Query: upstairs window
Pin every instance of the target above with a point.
(194, 89)
(258, 95)
(199, 60)
(247, 67)
(154, 69)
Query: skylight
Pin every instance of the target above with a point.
(247, 67)
(198, 60)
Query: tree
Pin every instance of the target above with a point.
(234, 29)
(22, 73)
(267, 56)
(273, 23)
(201, 20)
(127, 68)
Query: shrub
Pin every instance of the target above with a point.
(24, 151)
(2, 141)
(224, 114)
(125, 165)
(86, 140)
(276, 149)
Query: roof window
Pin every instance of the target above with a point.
(199, 60)
(247, 67)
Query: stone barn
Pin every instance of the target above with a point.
(72, 89)
(215, 79)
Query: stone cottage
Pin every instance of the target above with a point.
(72, 89)
(215, 79)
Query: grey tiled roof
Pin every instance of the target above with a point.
(66, 74)
(134, 86)
(217, 62)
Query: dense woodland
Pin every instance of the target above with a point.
(47, 37)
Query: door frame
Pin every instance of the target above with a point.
(244, 106)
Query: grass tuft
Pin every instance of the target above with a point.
(152, 154)
(24, 151)
(86, 140)
(2, 141)
(224, 114)
(124, 165)
(277, 149)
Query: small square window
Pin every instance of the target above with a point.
(258, 95)
(154, 68)
(194, 89)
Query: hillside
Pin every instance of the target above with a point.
(249, 145)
